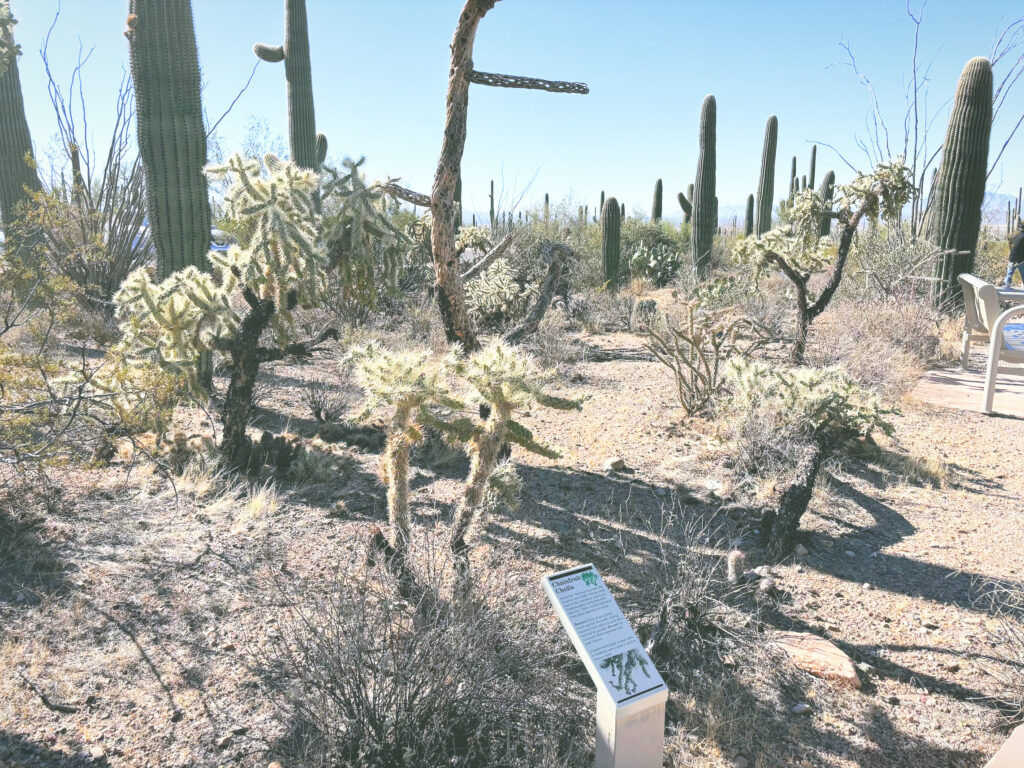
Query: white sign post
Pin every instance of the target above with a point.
(631, 695)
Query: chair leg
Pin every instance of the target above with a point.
(965, 354)
(990, 374)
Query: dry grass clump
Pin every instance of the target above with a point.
(884, 345)
(1006, 603)
(365, 679)
(552, 347)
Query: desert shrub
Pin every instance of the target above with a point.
(368, 681)
(889, 265)
(822, 409)
(883, 345)
(553, 348)
(697, 350)
(1006, 604)
(329, 403)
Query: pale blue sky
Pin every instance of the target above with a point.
(380, 70)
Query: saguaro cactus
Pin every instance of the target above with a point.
(172, 139)
(825, 192)
(656, 204)
(308, 148)
(611, 243)
(704, 214)
(793, 181)
(954, 218)
(748, 220)
(814, 158)
(766, 184)
(18, 175)
(547, 207)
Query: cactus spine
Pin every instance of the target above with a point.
(766, 184)
(954, 219)
(825, 192)
(172, 139)
(704, 209)
(17, 174)
(611, 243)
(748, 220)
(308, 148)
(656, 204)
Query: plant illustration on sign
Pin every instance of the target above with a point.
(589, 578)
(622, 666)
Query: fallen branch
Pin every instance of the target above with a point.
(396, 190)
(531, 83)
(489, 258)
(67, 709)
(554, 254)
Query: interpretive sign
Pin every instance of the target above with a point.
(630, 693)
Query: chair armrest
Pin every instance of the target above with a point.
(1004, 318)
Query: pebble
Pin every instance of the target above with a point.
(894, 700)
(614, 464)
(801, 708)
(97, 753)
(866, 585)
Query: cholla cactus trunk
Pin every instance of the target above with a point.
(814, 159)
(826, 191)
(457, 222)
(18, 175)
(954, 218)
(237, 412)
(395, 472)
(766, 184)
(172, 138)
(748, 219)
(611, 242)
(485, 458)
(308, 148)
(705, 223)
(656, 204)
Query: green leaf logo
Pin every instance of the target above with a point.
(589, 578)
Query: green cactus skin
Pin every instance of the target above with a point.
(826, 192)
(611, 242)
(748, 220)
(814, 158)
(656, 204)
(172, 138)
(547, 207)
(803, 182)
(623, 211)
(308, 148)
(704, 221)
(766, 184)
(18, 177)
(793, 181)
(685, 205)
(954, 219)
(602, 199)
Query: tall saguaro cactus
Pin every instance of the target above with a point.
(826, 191)
(611, 242)
(308, 148)
(18, 175)
(656, 204)
(705, 221)
(954, 218)
(766, 184)
(172, 139)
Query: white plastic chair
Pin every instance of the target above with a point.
(985, 323)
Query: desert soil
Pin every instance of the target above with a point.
(132, 609)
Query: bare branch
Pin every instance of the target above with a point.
(235, 100)
(531, 83)
(557, 254)
(489, 258)
(416, 198)
(850, 165)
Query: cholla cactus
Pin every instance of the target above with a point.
(509, 382)
(249, 289)
(409, 387)
(473, 237)
(9, 50)
(497, 297)
(796, 248)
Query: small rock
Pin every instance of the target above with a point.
(800, 549)
(818, 656)
(223, 741)
(954, 667)
(240, 730)
(176, 716)
(867, 585)
(614, 464)
(929, 624)
(894, 700)
(763, 571)
(866, 668)
(275, 764)
(801, 709)
(767, 585)
(97, 753)
(741, 762)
